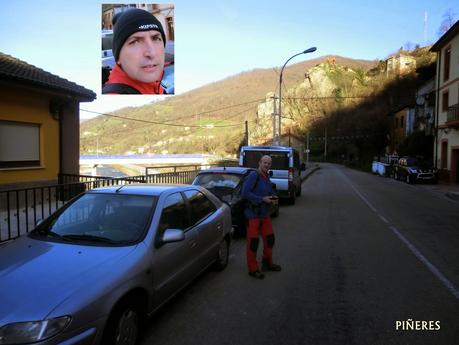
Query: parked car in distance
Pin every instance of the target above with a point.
(90, 272)
(412, 170)
(286, 168)
(226, 183)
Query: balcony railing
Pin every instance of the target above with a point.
(452, 114)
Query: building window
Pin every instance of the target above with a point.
(445, 101)
(170, 27)
(446, 63)
(19, 144)
(444, 154)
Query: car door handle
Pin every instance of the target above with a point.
(219, 226)
(192, 243)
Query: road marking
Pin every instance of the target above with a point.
(426, 262)
(383, 219)
(436, 272)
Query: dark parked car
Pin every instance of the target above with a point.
(226, 183)
(411, 170)
(90, 272)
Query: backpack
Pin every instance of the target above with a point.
(247, 203)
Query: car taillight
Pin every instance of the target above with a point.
(290, 174)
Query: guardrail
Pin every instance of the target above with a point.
(21, 209)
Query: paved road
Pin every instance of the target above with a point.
(359, 253)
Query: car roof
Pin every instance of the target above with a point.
(267, 148)
(142, 189)
(231, 170)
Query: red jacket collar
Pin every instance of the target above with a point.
(117, 75)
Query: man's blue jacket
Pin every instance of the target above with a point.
(256, 187)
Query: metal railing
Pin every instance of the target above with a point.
(21, 209)
(453, 113)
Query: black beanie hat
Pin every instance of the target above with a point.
(130, 21)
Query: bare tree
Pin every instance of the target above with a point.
(447, 22)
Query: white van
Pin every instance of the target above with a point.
(286, 168)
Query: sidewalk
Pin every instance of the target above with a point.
(450, 190)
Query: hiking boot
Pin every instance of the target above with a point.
(272, 267)
(257, 274)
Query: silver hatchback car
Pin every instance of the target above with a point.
(90, 272)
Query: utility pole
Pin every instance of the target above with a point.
(97, 146)
(274, 119)
(325, 149)
(247, 133)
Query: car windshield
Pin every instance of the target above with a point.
(411, 162)
(218, 180)
(101, 219)
(279, 159)
(107, 41)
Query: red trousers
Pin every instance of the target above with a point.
(255, 227)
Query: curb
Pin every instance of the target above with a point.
(309, 173)
(452, 195)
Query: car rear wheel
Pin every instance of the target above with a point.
(275, 214)
(241, 229)
(223, 255)
(123, 325)
(298, 191)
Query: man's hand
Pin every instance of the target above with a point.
(268, 199)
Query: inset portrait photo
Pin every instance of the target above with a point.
(138, 49)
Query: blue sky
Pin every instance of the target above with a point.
(217, 39)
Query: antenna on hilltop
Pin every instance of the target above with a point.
(425, 27)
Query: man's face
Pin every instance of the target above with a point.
(265, 164)
(142, 56)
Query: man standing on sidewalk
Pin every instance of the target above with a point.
(258, 193)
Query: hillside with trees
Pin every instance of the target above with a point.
(222, 106)
(343, 101)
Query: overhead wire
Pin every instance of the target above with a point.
(168, 122)
(151, 123)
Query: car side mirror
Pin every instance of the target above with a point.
(270, 173)
(172, 235)
(303, 167)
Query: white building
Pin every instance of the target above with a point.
(446, 150)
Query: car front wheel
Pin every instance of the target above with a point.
(409, 179)
(123, 326)
(223, 255)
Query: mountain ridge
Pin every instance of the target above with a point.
(219, 103)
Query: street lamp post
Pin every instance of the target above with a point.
(310, 50)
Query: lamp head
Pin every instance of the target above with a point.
(310, 50)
